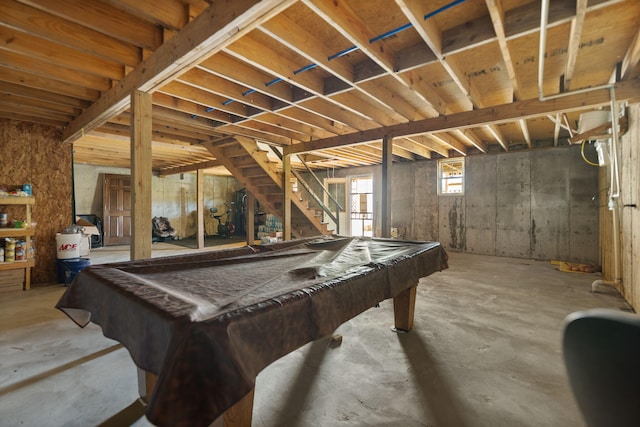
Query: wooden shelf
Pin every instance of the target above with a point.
(16, 232)
(27, 264)
(9, 200)
(17, 264)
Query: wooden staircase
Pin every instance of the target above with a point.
(263, 178)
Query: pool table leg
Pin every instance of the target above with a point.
(403, 309)
(146, 383)
(239, 415)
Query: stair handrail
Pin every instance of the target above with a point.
(335, 218)
(324, 189)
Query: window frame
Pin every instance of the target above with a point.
(364, 216)
(441, 176)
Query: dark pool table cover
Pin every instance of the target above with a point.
(208, 323)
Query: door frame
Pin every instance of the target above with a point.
(123, 236)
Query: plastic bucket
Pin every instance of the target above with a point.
(68, 245)
(68, 268)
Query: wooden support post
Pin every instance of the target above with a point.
(286, 202)
(250, 218)
(387, 156)
(200, 207)
(27, 278)
(146, 383)
(239, 415)
(141, 135)
(403, 309)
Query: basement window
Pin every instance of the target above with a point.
(451, 177)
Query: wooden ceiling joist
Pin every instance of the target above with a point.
(190, 168)
(205, 35)
(346, 20)
(98, 16)
(440, 78)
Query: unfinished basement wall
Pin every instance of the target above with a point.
(628, 214)
(539, 204)
(35, 154)
(173, 197)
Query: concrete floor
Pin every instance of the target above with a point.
(485, 351)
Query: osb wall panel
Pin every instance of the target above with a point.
(628, 202)
(627, 268)
(35, 154)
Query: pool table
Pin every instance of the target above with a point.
(202, 326)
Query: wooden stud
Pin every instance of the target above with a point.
(200, 207)
(287, 188)
(141, 175)
(387, 148)
(250, 218)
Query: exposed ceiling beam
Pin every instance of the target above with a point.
(431, 145)
(450, 142)
(207, 34)
(556, 130)
(254, 52)
(629, 90)
(57, 30)
(190, 168)
(306, 45)
(577, 24)
(56, 54)
(471, 137)
(108, 20)
(497, 135)
(37, 82)
(346, 21)
(42, 95)
(525, 131)
(432, 36)
(413, 146)
(30, 118)
(37, 66)
(632, 57)
(166, 13)
(498, 18)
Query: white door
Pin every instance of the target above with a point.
(361, 206)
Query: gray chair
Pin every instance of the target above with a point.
(602, 356)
